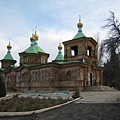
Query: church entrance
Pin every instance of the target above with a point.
(91, 79)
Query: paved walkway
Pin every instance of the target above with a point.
(100, 97)
(93, 106)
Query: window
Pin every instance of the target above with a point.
(21, 59)
(36, 74)
(89, 51)
(56, 75)
(47, 75)
(74, 50)
(42, 60)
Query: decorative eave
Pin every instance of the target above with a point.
(39, 53)
(8, 60)
(81, 39)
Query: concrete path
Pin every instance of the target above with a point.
(93, 106)
(100, 97)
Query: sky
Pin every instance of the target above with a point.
(54, 21)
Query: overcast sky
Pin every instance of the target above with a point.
(55, 20)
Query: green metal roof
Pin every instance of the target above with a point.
(8, 56)
(13, 66)
(89, 62)
(59, 57)
(69, 62)
(79, 35)
(31, 49)
(38, 48)
(34, 49)
(2, 69)
(73, 61)
(59, 63)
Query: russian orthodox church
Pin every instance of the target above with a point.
(75, 70)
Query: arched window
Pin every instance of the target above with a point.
(68, 75)
(74, 50)
(89, 51)
(47, 75)
(36, 76)
(22, 77)
(56, 75)
(40, 76)
(33, 76)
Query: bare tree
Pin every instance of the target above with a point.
(98, 52)
(111, 47)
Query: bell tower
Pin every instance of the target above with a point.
(80, 47)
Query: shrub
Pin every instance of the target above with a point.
(76, 94)
(27, 104)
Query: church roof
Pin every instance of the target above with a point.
(8, 56)
(59, 57)
(34, 49)
(14, 66)
(73, 61)
(39, 49)
(79, 35)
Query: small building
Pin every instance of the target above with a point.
(75, 70)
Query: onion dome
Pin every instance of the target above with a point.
(59, 56)
(80, 34)
(79, 23)
(36, 36)
(33, 37)
(9, 46)
(59, 47)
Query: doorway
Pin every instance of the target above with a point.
(91, 79)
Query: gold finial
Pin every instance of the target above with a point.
(35, 28)
(79, 23)
(35, 35)
(60, 47)
(9, 46)
(79, 18)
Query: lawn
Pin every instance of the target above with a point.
(17, 104)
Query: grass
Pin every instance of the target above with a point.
(17, 104)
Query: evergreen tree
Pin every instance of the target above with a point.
(2, 88)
